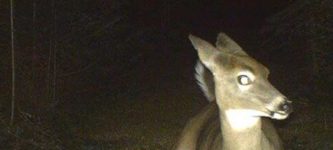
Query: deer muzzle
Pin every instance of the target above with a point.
(280, 109)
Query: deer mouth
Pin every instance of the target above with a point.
(279, 115)
(280, 110)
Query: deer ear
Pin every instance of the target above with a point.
(226, 44)
(205, 50)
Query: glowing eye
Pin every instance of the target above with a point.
(244, 80)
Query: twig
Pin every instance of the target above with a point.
(13, 61)
(54, 52)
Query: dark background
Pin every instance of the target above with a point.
(119, 74)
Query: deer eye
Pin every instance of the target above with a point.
(244, 80)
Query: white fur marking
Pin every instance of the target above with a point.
(279, 116)
(200, 70)
(240, 119)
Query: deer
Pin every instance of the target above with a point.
(242, 101)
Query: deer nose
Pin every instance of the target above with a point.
(286, 107)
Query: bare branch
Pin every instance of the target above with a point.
(13, 61)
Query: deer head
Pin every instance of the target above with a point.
(241, 83)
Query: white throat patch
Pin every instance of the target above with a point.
(240, 119)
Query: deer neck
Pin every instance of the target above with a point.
(240, 133)
(240, 130)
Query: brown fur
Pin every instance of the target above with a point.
(234, 121)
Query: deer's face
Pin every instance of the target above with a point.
(241, 83)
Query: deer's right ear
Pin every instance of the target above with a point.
(205, 50)
(226, 44)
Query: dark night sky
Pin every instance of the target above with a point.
(110, 47)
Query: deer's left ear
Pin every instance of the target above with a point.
(209, 55)
(206, 51)
(226, 44)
